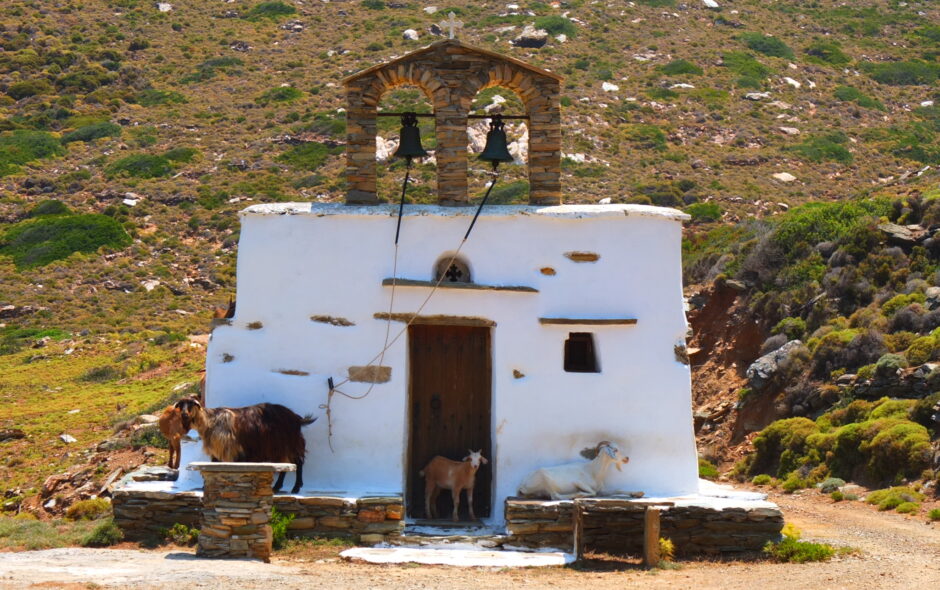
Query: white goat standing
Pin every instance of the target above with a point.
(574, 480)
(442, 473)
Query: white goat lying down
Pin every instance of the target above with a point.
(442, 473)
(574, 480)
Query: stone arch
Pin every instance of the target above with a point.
(451, 74)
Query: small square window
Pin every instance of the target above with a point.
(580, 355)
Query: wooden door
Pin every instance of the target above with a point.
(450, 409)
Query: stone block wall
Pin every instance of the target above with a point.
(236, 512)
(141, 515)
(451, 74)
(616, 526)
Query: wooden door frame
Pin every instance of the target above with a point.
(446, 321)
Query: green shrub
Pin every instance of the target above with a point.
(793, 328)
(181, 154)
(849, 94)
(827, 52)
(93, 132)
(812, 223)
(790, 550)
(934, 514)
(908, 508)
(149, 437)
(373, 4)
(761, 480)
(88, 509)
(903, 73)
(678, 67)
(102, 374)
(181, 534)
(837, 496)
(766, 44)
(22, 146)
(778, 447)
(279, 94)
(822, 148)
(922, 411)
(704, 211)
(744, 64)
(272, 10)
(37, 242)
(891, 498)
(153, 97)
(141, 166)
(556, 25)
(898, 302)
(509, 193)
(279, 523)
(644, 136)
(896, 448)
(706, 469)
(104, 535)
(793, 482)
(831, 485)
(49, 207)
(27, 88)
(307, 156)
(209, 68)
(85, 80)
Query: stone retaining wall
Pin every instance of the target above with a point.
(616, 526)
(141, 514)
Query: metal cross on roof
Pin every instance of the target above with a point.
(451, 23)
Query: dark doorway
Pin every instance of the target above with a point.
(449, 409)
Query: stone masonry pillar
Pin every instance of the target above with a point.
(237, 500)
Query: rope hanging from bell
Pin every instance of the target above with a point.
(409, 147)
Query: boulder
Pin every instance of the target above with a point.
(933, 298)
(531, 37)
(763, 370)
(11, 434)
(784, 177)
(410, 35)
(899, 235)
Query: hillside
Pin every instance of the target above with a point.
(132, 132)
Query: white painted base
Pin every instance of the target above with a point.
(457, 557)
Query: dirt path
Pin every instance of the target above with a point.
(896, 552)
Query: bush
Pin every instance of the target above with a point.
(307, 156)
(767, 45)
(556, 25)
(704, 211)
(908, 508)
(37, 242)
(793, 328)
(706, 469)
(896, 303)
(791, 550)
(891, 498)
(373, 4)
(849, 94)
(827, 52)
(271, 10)
(102, 374)
(793, 482)
(88, 509)
(903, 73)
(209, 68)
(92, 132)
(837, 496)
(153, 97)
(678, 67)
(644, 136)
(141, 166)
(778, 446)
(934, 514)
(761, 480)
(104, 535)
(509, 193)
(831, 485)
(745, 65)
(23, 146)
(181, 154)
(921, 350)
(27, 88)
(279, 94)
(49, 207)
(279, 524)
(181, 534)
(822, 148)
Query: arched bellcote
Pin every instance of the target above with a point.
(451, 74)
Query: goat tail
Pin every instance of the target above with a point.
(308, 420)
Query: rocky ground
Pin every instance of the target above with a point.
(893, 551)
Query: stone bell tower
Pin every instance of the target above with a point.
(451, 74)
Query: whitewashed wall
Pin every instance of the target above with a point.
(296, 261)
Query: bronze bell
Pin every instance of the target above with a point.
(410, 144)
(496, 150)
